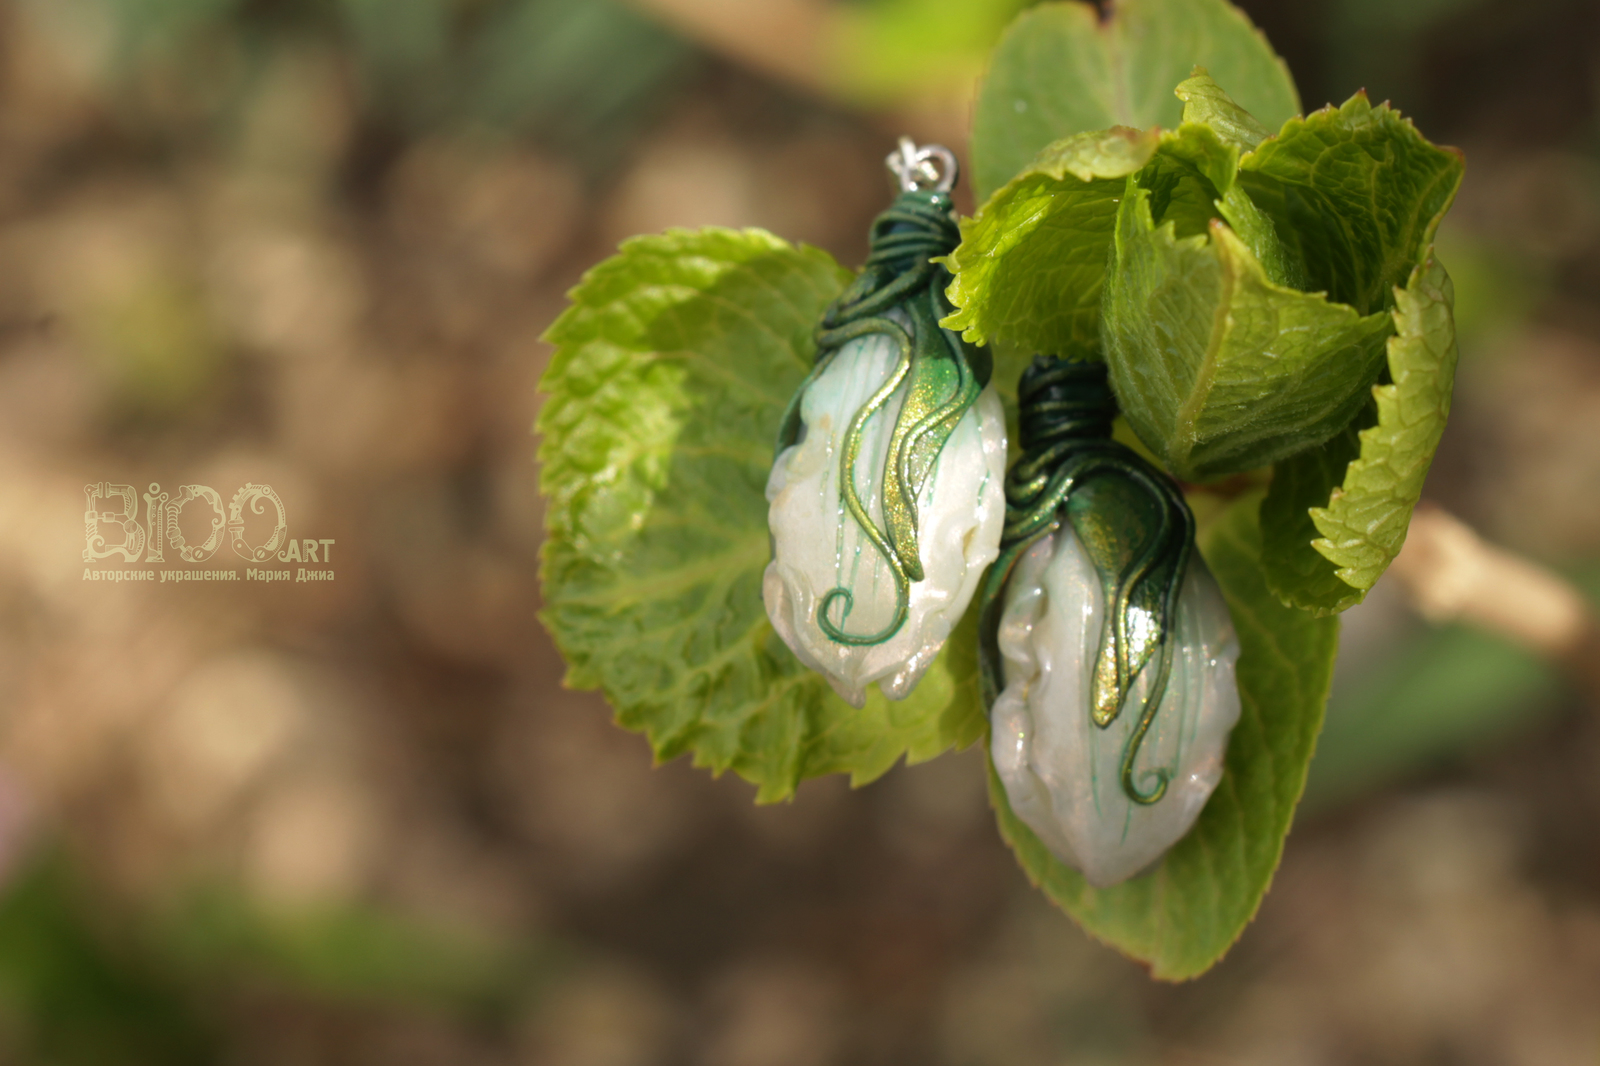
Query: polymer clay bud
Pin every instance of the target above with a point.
(887, 496)
(1107, 650)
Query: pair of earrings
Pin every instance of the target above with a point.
(1107, 651)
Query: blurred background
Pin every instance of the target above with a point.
(313, 243)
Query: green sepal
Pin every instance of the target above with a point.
(1183, 916)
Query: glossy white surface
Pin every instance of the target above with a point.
(1062, 773)
(818, 545)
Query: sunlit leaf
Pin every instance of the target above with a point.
(1061, 70)
(1030, 264)
(1364, 523)
(672, 371)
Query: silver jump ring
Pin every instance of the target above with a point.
(929, 166)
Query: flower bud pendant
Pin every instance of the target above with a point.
(1108, 652)
(887, 496)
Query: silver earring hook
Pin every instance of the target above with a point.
(929, 166)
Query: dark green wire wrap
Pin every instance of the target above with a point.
(943, 376)
(1134, 525)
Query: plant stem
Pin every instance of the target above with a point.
(1452, 574)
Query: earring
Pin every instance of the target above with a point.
(1108, 652)
(887, 493)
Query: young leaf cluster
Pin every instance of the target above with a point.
(1263, 299)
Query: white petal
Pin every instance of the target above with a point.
(1062, 773)
(818, 546)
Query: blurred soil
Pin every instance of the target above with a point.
(362, 822)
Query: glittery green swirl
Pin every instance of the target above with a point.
(1134, 526)
(942, 376)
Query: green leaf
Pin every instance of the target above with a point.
(1200, 160)
(1392, 192)
(1180, 918)
(673, 368)
(1365, 521)
(1296, 573)
(1260, 235)
(1059, 71)
(1209, 143)
(1336, 516)
(1206, 104)
(1356, 194)
(1218, 368)
(1030, 263)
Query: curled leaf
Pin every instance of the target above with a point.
(1031, 262)
(1357, 492)
(1248, 308)
(1217, 368)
